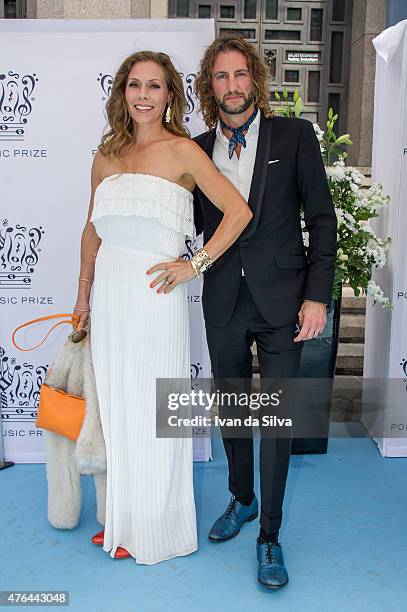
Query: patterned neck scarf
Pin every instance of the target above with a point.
(237, 133)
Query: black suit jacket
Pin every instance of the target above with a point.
(279, 273)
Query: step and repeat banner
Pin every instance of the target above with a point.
(386, 332)
(55, 78)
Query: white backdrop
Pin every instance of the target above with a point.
(54, 80)
(386, 333)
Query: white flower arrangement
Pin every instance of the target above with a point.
(360, 251)
(377, 294)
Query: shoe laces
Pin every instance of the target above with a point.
(270, 553)
(231, 509)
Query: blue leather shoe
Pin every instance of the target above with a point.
(229, 524)
(272, 573)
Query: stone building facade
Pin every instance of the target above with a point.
(321, 48)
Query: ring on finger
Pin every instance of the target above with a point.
(316, 334)
(166, 282)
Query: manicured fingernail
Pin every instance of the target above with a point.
(151, 284)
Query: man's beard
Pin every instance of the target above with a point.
(237, 110)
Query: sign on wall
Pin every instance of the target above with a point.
(55, 78)
(386, 333)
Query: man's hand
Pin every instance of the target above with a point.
(312, 319)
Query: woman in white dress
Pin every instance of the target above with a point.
(140, 212)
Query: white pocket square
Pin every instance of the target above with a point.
(273, 161)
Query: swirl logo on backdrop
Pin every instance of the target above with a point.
(19, 389)
(403, 364)
(196, 369)
(189, 81)
(19, 254)
(191, 248)
(16, 98)
(105, 81)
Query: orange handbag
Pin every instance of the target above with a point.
(60, 412)
(57, 410)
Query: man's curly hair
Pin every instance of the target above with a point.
(257, 68)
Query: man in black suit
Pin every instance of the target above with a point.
(264, 288)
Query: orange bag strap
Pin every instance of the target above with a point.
(72, 319)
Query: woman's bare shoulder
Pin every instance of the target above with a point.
(102, 167)
(184, 148)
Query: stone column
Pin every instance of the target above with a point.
(99, 9)
(368, 20)
(31, 9)
(159, 9)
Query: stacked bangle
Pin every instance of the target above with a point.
(201, 262)
(88, 280)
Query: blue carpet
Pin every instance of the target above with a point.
(344, 539)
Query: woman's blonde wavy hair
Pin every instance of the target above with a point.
(258, 71)
(121, 133)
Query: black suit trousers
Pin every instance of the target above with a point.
(231, 359)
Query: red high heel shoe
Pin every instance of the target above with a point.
(98, 538)
(121, 553)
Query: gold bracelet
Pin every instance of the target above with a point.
(193, 264)
(88, 280)
(202, 260)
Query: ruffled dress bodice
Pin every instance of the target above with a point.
(143, 212)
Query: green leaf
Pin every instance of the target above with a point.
(277, 96)
(296, 94)
(298, 107)
(330, 113)
(285, 94)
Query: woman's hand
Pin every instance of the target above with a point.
(82, 312)
(174, 273)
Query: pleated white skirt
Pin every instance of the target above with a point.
(138, 336)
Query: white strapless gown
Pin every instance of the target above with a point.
(138, 336)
